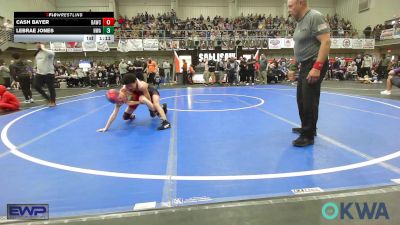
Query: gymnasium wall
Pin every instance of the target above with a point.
(380, 10)
(8, 7)
(132, 8)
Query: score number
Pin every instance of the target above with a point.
(108, 22)
(104, 38)
(108, 26)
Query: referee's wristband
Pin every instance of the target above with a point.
(318, 65)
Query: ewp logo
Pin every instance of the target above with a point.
(28, 211)
(377, 210)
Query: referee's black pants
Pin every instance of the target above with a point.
(308, 98)
(48, 79)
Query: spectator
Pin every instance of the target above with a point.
(19, 69)
(250, 70)
(367, 65)
(123, 68)
(138, 69)
(8, 101)
(393, 79)
(167, 73)
(232, 67)
(384, 66)
(351, 71)
(152, 69)
(359, 60)
(185, 72)
(4, 74)
(211, 69)
(243, 70)
(206, 74)
(293, 68)
(191, 74)
(221, 70)
(367, 31)
(263, 69)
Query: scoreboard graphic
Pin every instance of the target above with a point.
(64, 26)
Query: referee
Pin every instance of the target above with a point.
(45, 73)
(312, 44)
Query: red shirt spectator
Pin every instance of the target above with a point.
(121, 21)
(8, 101)
(257, 66)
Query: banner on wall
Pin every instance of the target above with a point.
(74, 47)
(288, 43)
(130, 45)
(215, 56)
(346, 43)
(122, 46)
(135, 45)
(275, 43)
(357, 43)
(89, 46)
(150, 44)
(387, 34)
(102, 47)
(335, 43)
(369, 44)
(397, 33)
(172, 44)
(58, 46)
(162, 45)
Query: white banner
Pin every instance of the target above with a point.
(352, 43)
(335, 43)
(58, 46)
(102, 46)
(288, 43)
(346, 43)
(135, 45)
(122, 46)
(150, 44)
(357, 43)
(216, 56)
(74, 47)
(172, 44)
(387, 34)
(275, 43)
(130, 45)
(369, 44)
(163, 45)
(397, 33)
(89, 46)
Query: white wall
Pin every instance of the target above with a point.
(274, 11)
(380, 10)
(273, 7)
(8, 7)
(133, 7)
(324, 6)
(278, 7)
(322, 3)
(194, 8)
(79, 5)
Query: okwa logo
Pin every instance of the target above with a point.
(355, 210)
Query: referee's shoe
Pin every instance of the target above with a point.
(303, 141)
